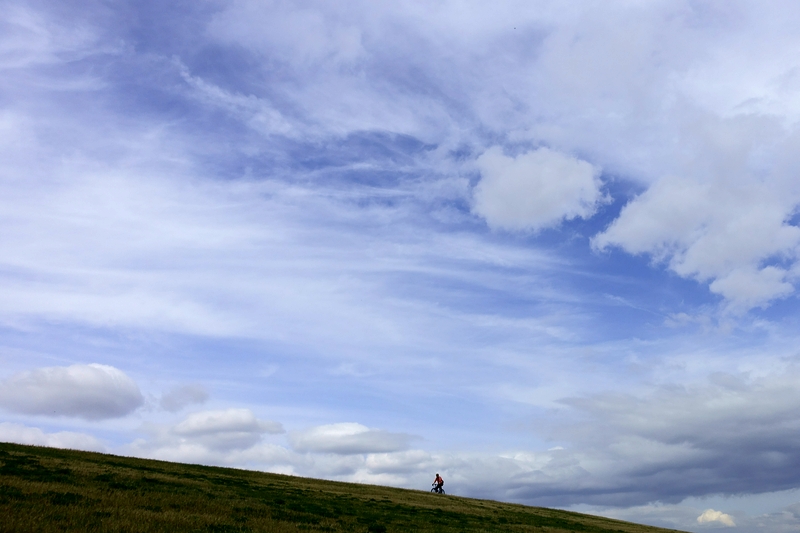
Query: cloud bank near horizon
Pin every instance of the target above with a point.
(730, 435)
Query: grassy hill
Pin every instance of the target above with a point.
(45, 489)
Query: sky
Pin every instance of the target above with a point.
(549, 250)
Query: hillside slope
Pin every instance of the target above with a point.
(45, 489)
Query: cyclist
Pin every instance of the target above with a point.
(438, 483)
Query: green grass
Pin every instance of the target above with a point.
(46, 489)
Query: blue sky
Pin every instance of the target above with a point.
(549, 251)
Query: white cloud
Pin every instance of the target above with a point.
(236, 437)
(749, 286)
(183, 396)
(93, 392)
(224, 429)
(233, 437)
(720, 231)
(710, 516)
(688, 91)
(347, 438)
(21, 434)
(535, 190)
(402, 462)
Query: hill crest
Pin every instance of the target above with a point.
(48, 489)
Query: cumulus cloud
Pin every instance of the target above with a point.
(21, 434)
(183, 396)
(719, 231)
(401, 462)
(232, 437)
(710, 516)
(535, 190)
(347, 438)
(221, 436)
(93, 392)
(258, 455)
(236, 437)
(224, 429)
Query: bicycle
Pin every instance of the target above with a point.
(437, 489)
